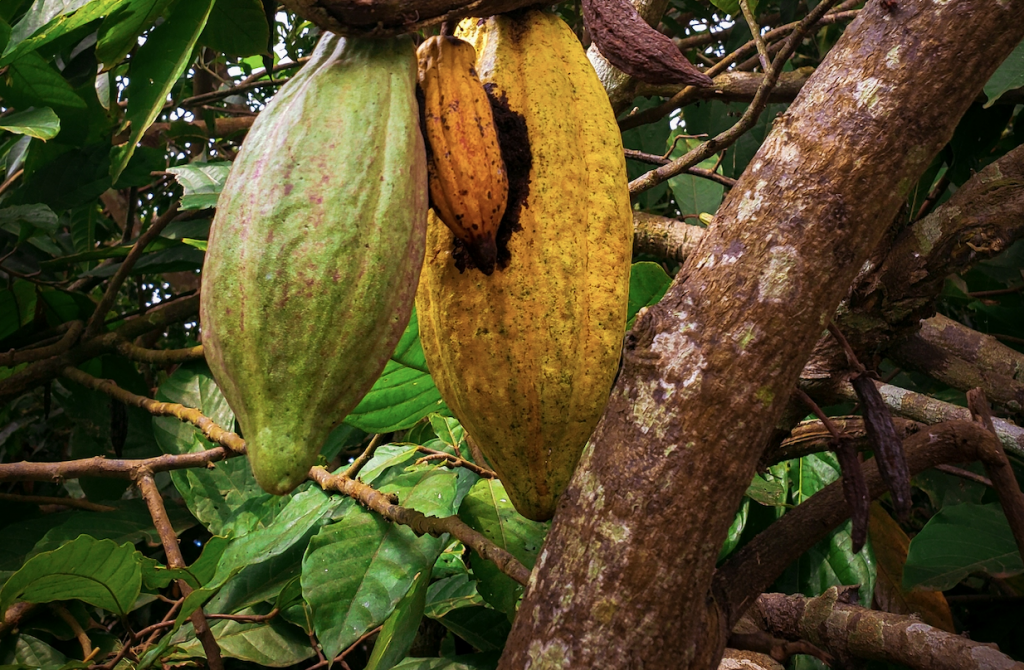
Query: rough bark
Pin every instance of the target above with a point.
(657, 487)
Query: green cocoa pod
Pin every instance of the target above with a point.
(315, 251)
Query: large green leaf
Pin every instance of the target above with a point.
(131, 522)
(201, 182)
(40, 123)
(451, 593)
(693, 194)
(99, 572)
(32, 82)
(1009, 76)
(155, 69)
(273, 644)
(237, 28)
(482, 627)
(647, 285)
(831, 562)
(958, 541)
(399, 631)
(31, 652)
(487, 510)
(483, 661)
(17, 306)
(403, 394)
(225, 498)
(356, 570)
(120, 31)
(47, 20)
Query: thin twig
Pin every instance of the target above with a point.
(198, 100)
(340, 658)
(10, 180)
(851, 356)
(211, 430)
(143, 355)
(755, 32)
(364, 457)
(71, 335)
(54, 500)
(753, 112)
(653, 159)
(964, 474)
(422, 524)
(96, 320)
(998, 467)
(76, 628)
(454, 461)
(155, 503)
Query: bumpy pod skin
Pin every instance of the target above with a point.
(315, 251)
(526, 357)
(468, 183)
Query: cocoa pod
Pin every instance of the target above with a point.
(630, 44)
(888, 448)
(315, 251)
(525, 358)
(468, 183)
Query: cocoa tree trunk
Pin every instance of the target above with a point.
(624, 578)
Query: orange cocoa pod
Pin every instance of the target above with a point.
(468, 182)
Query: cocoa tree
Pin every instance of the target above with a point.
(853, 170)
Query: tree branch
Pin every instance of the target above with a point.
(421, 524)
(750, 115)
(100, 314)
(752, 569)
(54, 500)
(852, 631)
(151, 494)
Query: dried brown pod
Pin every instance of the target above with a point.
(625, 39)
(888, 448)
(855, 490)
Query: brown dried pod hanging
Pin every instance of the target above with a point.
(855, 490)
(625, 39)
(892, 462)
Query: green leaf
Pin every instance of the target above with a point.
(202, 183)
(451, 593)
(274, 644)
(26, 221)
(237, 28)
(31, 652)
(487, 510)
(1009, 76)
(958, 541)
(41, 123)
(693, 194)
(120, 31)
(356, 570)
(47, 20)
(483, 661)
(482, 627)
(131, 522)
(739, 522)
(732, 7)
(226, 498)
(648, 138)
(399, 631)
(98, 572)
(17, 306)
(155, 69)
(769, 493)
(831, 562)
(403, 394)
(647, 285)
(32, 82)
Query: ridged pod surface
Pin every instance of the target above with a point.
(315, 251)
(526, 357)
(468, 184)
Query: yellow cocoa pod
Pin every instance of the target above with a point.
(468, 184)
(526, 357)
